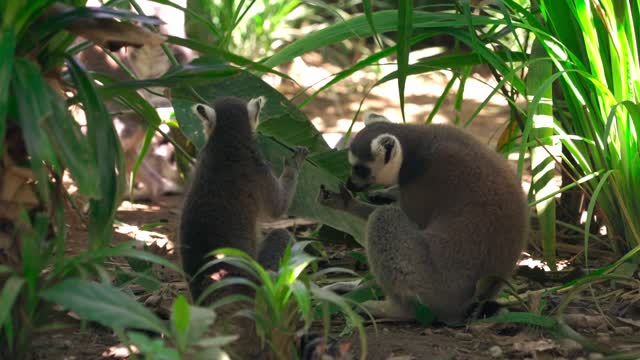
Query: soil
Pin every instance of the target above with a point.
(332, 113)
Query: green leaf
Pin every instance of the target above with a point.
(152, 348)
(5, 269)
(7, 53)
(10, 292)
(286, 123)
(33, 107)
(423, 313)
(104, 304)
(33, 237)
(305, 203)
(190, 124)
(106, 152)
(200, 322)
(303, 298)
(71, 146)
(126, 250)
(278, 118)
(405, 27)
(216, 342)
(183, 76)
(180, 317)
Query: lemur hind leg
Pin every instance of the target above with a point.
(273, 247)
(400, 260)
(388, 309)
(397, 250)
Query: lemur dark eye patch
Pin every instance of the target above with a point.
(200, 109)
(361, 171)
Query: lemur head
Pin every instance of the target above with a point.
(375, 155)
(225, 105)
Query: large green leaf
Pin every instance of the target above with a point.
(282, 125)
(104, 304)
(279, 117)
(304, 203)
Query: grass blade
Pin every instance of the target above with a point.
(370, 60)
(405, 27)
(8, 296)
(7, 51)
(368, 13)
(542, 162)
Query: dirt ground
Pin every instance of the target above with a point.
(332, 113)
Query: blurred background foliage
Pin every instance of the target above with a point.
(568, 69)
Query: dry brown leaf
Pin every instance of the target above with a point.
(108, 33)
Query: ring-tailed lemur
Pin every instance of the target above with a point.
(461, 217)
(231, 190)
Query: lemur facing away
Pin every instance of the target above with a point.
(460, 222)
(231, 190)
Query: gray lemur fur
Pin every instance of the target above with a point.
(232, 189)
(460, 222)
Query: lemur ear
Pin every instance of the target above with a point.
(372, 118)
(385, 145)
(207, 115)
(253, 107)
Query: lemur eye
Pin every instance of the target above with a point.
(361, 171)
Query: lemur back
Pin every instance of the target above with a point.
(461, 216)
(231, 190)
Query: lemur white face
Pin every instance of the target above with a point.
(383, 169)
(207, 115)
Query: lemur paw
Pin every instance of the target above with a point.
(335, 200)
(297, 159)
